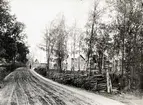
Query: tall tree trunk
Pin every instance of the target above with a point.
(60, 65)
(108, 79)
(79, 58)
(91, 38)
(48, 52)
(123, 57)
(74, 53)
(102, 62)
(14, 60)
(90, 47)
(141, 58)
(123, 42)
(135, 62)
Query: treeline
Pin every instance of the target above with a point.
(116, 42)
(13, 49)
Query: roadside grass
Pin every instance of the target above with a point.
(129, 98)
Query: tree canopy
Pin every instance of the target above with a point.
(12, 46)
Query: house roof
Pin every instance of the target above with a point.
(77, 56)
(82, 57)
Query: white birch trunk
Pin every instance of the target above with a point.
(109, 83)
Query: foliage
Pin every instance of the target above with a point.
(122, 39)
(92, 83)
(42, 71)
(50, 37)
(22, 51)
(11, 36)
(98, 40)
(117, 43)
(128, 38)
(60, 46)
(13, 50)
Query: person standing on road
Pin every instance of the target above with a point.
(30, 66)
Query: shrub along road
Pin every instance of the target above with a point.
(26, 87)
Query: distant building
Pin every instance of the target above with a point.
(77, 63)
(43, 65)
(36, 63)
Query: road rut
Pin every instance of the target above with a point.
(26, 87)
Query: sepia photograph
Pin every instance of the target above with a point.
(71, 52)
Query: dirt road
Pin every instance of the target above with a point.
(26, 87)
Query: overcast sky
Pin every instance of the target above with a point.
(36, 14)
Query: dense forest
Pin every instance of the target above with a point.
(13, 50)
(113, 48)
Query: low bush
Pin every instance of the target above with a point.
(41, 70)
(8, 68)
(93, 83)
(3, 73)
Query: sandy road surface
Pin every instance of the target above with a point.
(26, 87)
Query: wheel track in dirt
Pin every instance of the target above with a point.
(23, 87)
(64, 94)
